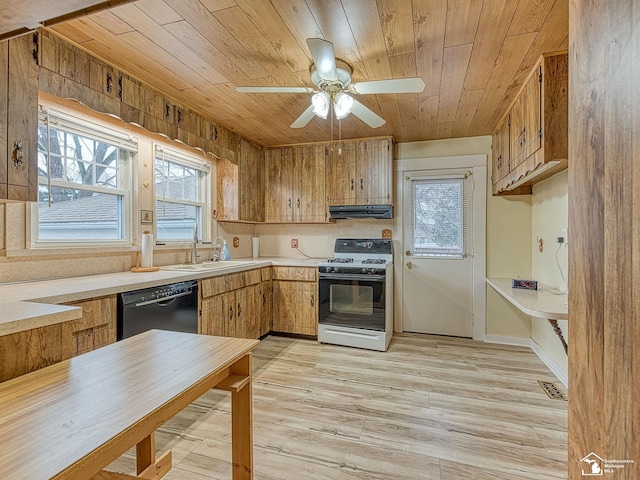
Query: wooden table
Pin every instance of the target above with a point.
(72, 419)
(546, 302)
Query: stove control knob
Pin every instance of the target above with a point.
(364, 270)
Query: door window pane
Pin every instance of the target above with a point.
(438, 208)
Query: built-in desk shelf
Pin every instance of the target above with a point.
(546, 302)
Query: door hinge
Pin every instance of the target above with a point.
(540, 133)
(36, 48)
(540, 74)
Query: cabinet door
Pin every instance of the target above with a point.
(309, 183)
(267, 308)
(243, 313)
(500, 151)
(307, 318)
(278, 201)
(95, 329)
(4, 91)
(341, 173)
(251, 182)
(253, 317)
(532, 123)
(286, 300)
(22, 124)
(213, 316)
(517, 133)
(227, 190)
(374, 172)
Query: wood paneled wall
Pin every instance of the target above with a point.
(68, 72)
(604, 233)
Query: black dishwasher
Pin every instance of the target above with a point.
(169, 307)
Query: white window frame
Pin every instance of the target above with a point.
(464, 180)
(203, 167)
(89, 128)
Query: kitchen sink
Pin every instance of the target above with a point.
(199, 267)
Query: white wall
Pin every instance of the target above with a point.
(550, 215)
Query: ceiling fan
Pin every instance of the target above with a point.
(335, 92)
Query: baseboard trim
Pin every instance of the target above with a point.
(504, 340)
(554, 366)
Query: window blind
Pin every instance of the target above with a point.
(439, 215)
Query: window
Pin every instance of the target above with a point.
(181, 195)
(83, 182)
(439, 210)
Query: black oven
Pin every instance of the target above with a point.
(355, 300)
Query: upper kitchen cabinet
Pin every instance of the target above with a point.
(19, 119)
(359, 172)
(295, 184)
(240, 186)
(531, 142)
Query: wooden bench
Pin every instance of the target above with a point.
(72, 419)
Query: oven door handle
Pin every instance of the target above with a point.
(351, 276)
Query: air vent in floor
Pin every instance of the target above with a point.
(552, 390)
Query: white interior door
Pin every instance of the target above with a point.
(437, 269)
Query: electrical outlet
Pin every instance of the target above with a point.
(294, 243)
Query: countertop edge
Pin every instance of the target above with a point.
(27, 310)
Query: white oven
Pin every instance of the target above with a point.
(355, 295)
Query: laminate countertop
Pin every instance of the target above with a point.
(28, 305)
(546, 302)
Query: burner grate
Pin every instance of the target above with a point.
(340, 260)
(374, 261)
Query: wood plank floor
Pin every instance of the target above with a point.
(429, 408)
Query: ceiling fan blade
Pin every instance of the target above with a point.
(305, 118)
(324, 58)
(274, 89)
(397, 85)
(367, 115)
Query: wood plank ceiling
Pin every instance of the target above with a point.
(472, 54)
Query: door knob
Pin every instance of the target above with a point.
(408, 253)
(409, 265)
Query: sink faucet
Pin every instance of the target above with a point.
(194, 249)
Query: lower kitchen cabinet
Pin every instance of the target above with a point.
(295, 305)
(95, 329)
(24, 352)
(235, 313)
(250, 304)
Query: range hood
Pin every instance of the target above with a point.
(340, 212)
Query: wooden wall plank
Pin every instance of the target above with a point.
(430, 20)
(604, 298)
(495, 19)
(365, 25)
(462, 21)
(530, 16)
(397, 26)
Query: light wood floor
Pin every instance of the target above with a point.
(429, 408)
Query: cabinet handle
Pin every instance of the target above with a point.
(361, 187)
(298, 203)
(18, 154)
(312, 300)
(352, 184)
(289, 203)
(243, 199)
(264, 299)
(239, 310)
(230, 313)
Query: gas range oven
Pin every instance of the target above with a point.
(356, 294)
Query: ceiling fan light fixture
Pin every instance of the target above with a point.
(320, 102)
(342, 105)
